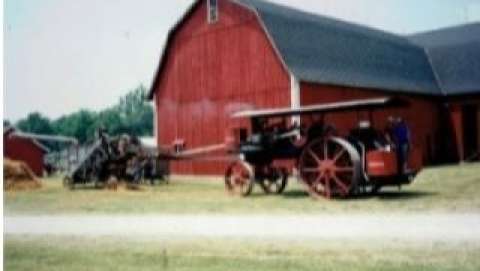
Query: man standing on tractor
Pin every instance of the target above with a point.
(398, 133)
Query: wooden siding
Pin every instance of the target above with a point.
(211, 71)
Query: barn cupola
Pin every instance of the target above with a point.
(212, 10)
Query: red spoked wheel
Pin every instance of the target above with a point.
(239, 178)
(330, 167)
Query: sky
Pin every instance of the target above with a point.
(64, 55)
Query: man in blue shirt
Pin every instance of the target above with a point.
(402, 139)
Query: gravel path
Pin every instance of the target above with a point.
(436, 227)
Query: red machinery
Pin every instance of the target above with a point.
(273, 147)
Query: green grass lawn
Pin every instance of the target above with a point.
(55, 253)
(453, 188)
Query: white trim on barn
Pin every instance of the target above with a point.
(295, 101)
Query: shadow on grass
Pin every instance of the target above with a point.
(403, 195)
(82, 187)
(383, 195)
(295, 194)
(394, 195)
(120, 187)
(286, 194)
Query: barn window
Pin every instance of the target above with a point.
(212, 11)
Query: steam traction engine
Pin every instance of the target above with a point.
(272, 148)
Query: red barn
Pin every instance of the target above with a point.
(21, 148)
(224, 56)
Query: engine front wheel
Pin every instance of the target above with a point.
(239, 178)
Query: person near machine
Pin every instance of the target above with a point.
(398, 135)
(149, 169)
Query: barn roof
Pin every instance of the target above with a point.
(455, 56)
(319, 49)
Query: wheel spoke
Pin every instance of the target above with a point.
(320, 177)
(325, 150)
(314, 155)
(343, 188)
(339, 155)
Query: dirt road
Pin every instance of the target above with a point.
(433, 227)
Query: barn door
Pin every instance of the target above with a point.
(471, 134)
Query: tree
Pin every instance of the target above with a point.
(132, 115)
(110, 120)
(36, 123)
(136, 113)
(79, 125)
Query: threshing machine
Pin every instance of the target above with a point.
(113, 158)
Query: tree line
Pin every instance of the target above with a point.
(132, 115)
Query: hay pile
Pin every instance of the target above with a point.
(18, 176)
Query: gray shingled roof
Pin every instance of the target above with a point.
(319, 49)
(455, 56)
